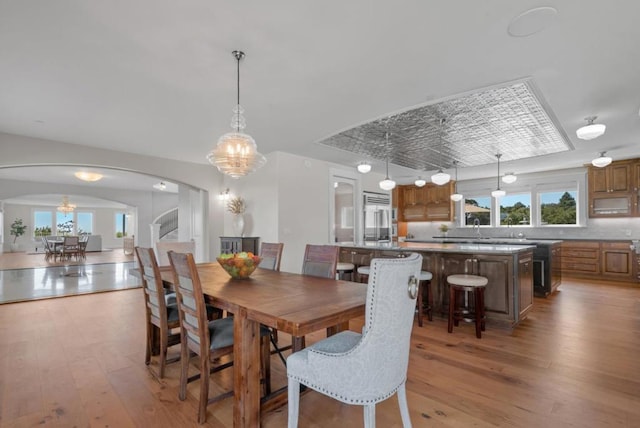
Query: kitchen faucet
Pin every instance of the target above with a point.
(476, 225)
(509, 224)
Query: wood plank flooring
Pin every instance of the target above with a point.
(22, 260)
(575, 362)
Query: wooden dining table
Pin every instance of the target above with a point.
(292, 303)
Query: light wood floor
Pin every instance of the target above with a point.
(22, 260)
(575, 362)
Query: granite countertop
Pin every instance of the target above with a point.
(487, 240)
(436, 247)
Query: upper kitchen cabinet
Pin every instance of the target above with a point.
(616, 177)
(613, 190)
(427, 203)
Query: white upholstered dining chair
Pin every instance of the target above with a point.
(367, 368)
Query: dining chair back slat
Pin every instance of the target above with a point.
(271, 254)
(320, 260)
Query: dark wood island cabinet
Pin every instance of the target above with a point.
(509, 269)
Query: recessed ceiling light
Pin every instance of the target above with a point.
(160, 186)
(531, 21)
(88, 176)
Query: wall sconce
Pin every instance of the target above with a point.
(225, 195)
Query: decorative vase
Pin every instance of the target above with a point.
(238, 224)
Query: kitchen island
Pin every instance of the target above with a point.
(509, 269)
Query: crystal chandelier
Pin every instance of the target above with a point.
(440, 177)
(236, 153)
(66, 207)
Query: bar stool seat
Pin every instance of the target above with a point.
(363, 273)
(345, 268)
(460, 285)
(424, 283)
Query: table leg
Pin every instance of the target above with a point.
(246, 371)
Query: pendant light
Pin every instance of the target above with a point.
(456, 197)
(236, 153)
(440, 177)
(387, 183)
(364, 167)
(498, 192)
(509, 178)
(601, 161)
(591, 130)
(420, 182)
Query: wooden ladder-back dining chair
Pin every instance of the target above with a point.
(82, 247)
(210, 340)
(271, 254)
(365, 369)
(161, 308)
(70, 247)
(320, 260)
(49, 249)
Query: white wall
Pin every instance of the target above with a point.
(148, 206)
(19, 150)
(288, 201)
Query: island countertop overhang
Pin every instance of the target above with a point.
(461, 248)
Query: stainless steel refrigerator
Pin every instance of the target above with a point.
(376, 217)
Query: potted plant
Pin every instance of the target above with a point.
(17, 229)
(444, 229)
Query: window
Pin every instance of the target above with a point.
(84, 223)
(121, 225)
(477, 209)
(42, 223)
(515, 209)
(558, 207)
(64, 224)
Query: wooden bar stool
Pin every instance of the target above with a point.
(459, 286)
(424, 283)
(345, 269)
(363, 273)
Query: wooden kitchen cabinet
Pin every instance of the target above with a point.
(427, 203)
(616, 177)
(580, 258)
(598, 260)
(233, 244)
(525, 280)
(613, 190)
(617, 260)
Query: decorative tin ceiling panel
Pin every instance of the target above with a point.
(509, 119)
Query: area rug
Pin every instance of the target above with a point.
(19, 285)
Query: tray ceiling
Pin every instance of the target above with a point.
(510, 119)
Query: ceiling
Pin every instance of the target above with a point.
(158, 78)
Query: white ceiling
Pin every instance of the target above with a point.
(157, 77)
